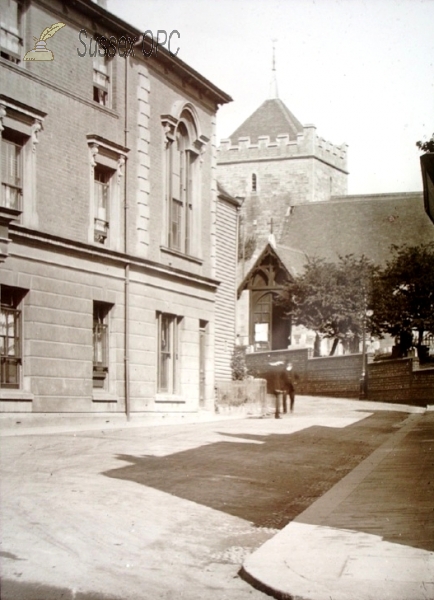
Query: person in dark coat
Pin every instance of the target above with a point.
(282, 383)
(287, 386)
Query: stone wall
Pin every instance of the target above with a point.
(287, 173)
(248, 397)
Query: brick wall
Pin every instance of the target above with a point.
(390, 381)
(259, 362)
(423, 386)
(400, 381)
(337, 376)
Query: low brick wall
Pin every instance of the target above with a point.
(335, 376)
(259, 362)
(401, 380)
(390, 380)
(247, 397)
(398, 381)
(423, 386)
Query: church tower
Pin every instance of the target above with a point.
(276, 163)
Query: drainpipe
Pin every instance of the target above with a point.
(127, 266)
(239, 207)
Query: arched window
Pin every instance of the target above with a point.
(183, 149)
(254, 182)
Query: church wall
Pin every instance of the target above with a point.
(328, 182)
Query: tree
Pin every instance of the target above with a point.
(403, 297)
(330, 299)
(427, 146)
(238, 363)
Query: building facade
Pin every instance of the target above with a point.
(108, 219)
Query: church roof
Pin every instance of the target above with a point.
(225, 195)
(272, 118)
(291, 260)
(358, 225)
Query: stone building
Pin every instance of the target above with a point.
(109, 221)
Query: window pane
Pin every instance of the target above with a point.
(101, 203)
(10, 344)
(10, 372)
(11, 168)
(9, 15)
(101, 197)
(176, 224)
(165, 353)
(10, 27)
(100, 345)
(11, 163)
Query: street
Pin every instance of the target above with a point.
(172, 510)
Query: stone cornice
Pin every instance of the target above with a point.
(58, 244)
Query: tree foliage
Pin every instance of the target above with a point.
(427, 146)
(403, 296)
(238, 363)
(330, 298)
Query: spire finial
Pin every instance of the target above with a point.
(273, 85)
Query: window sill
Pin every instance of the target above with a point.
(169, 398)
(180, 254)
(15, 395)
(103, 396)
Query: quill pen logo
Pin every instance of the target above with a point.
(40, 51)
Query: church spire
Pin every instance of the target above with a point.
(273, 84)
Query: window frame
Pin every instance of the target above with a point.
(168, 359)
(11, 307)
(7, 184)
(16, 32)
(184, 152)
(254, 183)
(102, 185)
(101, 68)
(22, 124)
(107, 157)
(100, 326)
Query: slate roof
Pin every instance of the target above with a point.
(272, 118)
(225, 195)
(358, 225)
(293, 260)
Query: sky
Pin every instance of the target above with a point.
(361, 71)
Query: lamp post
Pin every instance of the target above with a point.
(363, 379)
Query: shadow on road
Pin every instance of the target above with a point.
(20, 590)
(269, 483)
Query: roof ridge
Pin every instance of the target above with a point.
(289, 115)
(271, 118)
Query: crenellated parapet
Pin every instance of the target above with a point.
(307, 145)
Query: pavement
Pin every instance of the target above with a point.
(371, 536)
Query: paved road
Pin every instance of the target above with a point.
(170, 511)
